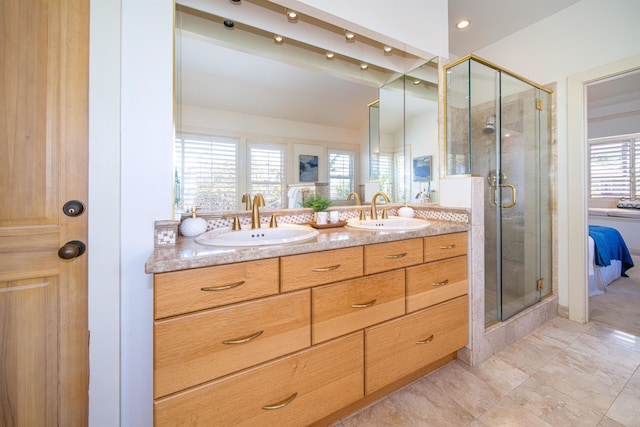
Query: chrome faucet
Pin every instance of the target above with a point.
(258, 200)
(357, 197)
(374, 213)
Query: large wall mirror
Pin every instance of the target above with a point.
(254, 114)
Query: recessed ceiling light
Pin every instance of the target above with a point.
(278, 39)
(292, 16)
(235, 1)
(387, 50)
(417, 82)
(229, 23)
(351, 37)
(330, 55)
(364, 66)
(464, 23)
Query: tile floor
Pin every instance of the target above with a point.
(562, 374)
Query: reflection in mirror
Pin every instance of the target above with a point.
(248, 108)
(409, 129)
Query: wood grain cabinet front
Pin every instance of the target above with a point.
(435, 282)
(179, 292)
(318, 268)
(445, 246)
(354, 304)
(402, 346)
(387, 256)
(293, 391)
(193, 349)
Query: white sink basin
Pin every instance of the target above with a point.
(393, 223)
(285, 233)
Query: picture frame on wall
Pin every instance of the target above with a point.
(422, 169)
(308, 168)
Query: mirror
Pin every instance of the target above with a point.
(408, 133)
(238, 84)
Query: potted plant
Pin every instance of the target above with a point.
(317, 203)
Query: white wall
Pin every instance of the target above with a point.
(131, 138)
(584, 36)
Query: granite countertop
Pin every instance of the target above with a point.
(186, 253)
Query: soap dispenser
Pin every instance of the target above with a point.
(193, 226)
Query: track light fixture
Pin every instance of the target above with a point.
(292, 16)
(349, 36)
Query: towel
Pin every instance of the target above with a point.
(295, 198)
(609, 245)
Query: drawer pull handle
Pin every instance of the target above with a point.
(223, 288)
(365, 305)
(425, 341)
(281, 404)
(448, 247)
(323, 269)
(402, 255)
(243, 340)
(444, 282)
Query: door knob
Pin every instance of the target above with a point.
(72, 249)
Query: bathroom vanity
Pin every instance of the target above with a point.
(306, 333)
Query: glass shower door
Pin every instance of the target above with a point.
(518, 195)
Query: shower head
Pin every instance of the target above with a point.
(490, 126)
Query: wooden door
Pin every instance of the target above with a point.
(44, 371)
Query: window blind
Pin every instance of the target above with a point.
(341, 175)
(614, 167)
(205, 173)
(267, 173)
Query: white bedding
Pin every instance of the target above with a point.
(600, 277)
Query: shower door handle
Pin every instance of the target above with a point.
(514, 197)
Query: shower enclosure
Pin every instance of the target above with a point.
(499, 128)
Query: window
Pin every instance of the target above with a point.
(205, 172)
(386, 174)
(267, 173)
(614, 169)
(341, 174)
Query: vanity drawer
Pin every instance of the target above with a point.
(185, 291)
(391, 255)
(435, 282)
(347, 306)
(445, 246)
(400, 347)
(195, 348)
(318, 268)
(318, 389)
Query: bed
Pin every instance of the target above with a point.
(609, 258)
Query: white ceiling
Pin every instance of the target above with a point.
(263, 86)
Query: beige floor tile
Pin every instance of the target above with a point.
(553, 406)
(532, 352)
(470, 392)
(583, 378)
(614, 336)
(509, 413)
(626, 408)
(563, 330)
(497, 373)
(608, 422)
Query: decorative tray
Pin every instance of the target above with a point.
(329, 225)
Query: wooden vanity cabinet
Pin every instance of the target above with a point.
(185, 291)
(296, 390)
(347, 306)
(399, 347)
(309, 338)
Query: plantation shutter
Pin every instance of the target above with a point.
(267, 173)
(205, 173)
(611, 168)
(341, 174)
